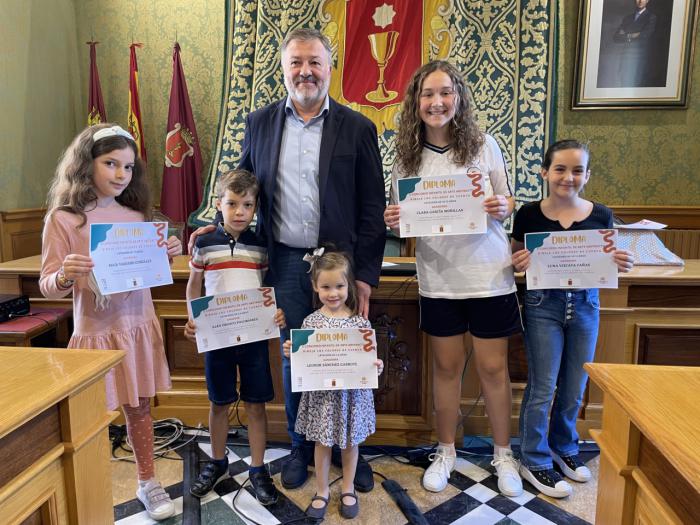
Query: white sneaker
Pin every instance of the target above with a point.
(509, 482)
(437, 474)
(572, 467)
(548, 482)
(157, 502)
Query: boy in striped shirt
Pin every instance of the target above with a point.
(234, 257)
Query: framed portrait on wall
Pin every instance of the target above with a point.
(634, 54)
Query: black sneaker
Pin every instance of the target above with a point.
(208, 478)
(572, 467)
(294, 471)
(264, 488)
(547, 481)
(364, 477)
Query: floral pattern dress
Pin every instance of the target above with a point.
(336, 417)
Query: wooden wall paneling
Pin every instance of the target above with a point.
(664, 296)
(676, 217)
(657, 296)
(183, 358)
(10, 284)
(20, 233)
(650, 507)
(45, 496)
(84, 425)
(609, 349)
(619, 448)
(672, 345)
(28, 443)
(398, 345)
(675, 492)
(684, 243)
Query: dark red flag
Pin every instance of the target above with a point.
(134, 118)
(96, 106)
(182, 187)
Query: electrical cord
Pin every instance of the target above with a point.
(169, 437)
(35, 316)
(162, 442)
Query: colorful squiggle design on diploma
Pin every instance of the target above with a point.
(476, 182)
(609, 245)
(267, 296)
(367, 337)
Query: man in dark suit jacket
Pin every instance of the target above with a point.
(635, 34)
(321, 181)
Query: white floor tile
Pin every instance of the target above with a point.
(523, 498)
(471, 470)
(481, 492)
(526, 517)
(482, 515)
(232, 456)
(251, 507)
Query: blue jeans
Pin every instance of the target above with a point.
(294, 296)
(561, 329)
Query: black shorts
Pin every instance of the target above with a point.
(253, 364)
(485, 317)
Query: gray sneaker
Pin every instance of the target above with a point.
(158, 504)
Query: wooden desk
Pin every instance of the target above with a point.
(652, 318)
(650, 460)
(54, 447)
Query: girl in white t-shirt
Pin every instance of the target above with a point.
(465, 282)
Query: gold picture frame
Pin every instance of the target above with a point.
(634, 54)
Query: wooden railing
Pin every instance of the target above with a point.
(20, 233)
(20, 230)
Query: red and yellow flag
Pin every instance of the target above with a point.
(134, 118)
(96, 106)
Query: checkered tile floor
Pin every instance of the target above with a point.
(472, 496)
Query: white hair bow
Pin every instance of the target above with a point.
(313, 257)
(111, 132)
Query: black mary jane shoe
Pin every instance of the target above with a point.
(349, 511)
(317, 513)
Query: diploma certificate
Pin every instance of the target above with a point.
(129, 256)
(571, 259)
(451, 205)
(333, 359)
(234, 318)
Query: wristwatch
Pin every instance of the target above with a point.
(62, 281)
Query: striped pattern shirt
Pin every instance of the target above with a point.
(229, 265)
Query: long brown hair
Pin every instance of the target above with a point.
(467, 140)
(73, 188)
(330, 261)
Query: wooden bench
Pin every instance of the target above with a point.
(40, 320)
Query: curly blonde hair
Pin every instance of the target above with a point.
(467, 140)
(73, 188)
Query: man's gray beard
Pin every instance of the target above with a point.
(303, 100)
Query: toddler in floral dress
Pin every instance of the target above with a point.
(335, 417)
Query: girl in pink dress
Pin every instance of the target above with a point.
(101, 179)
